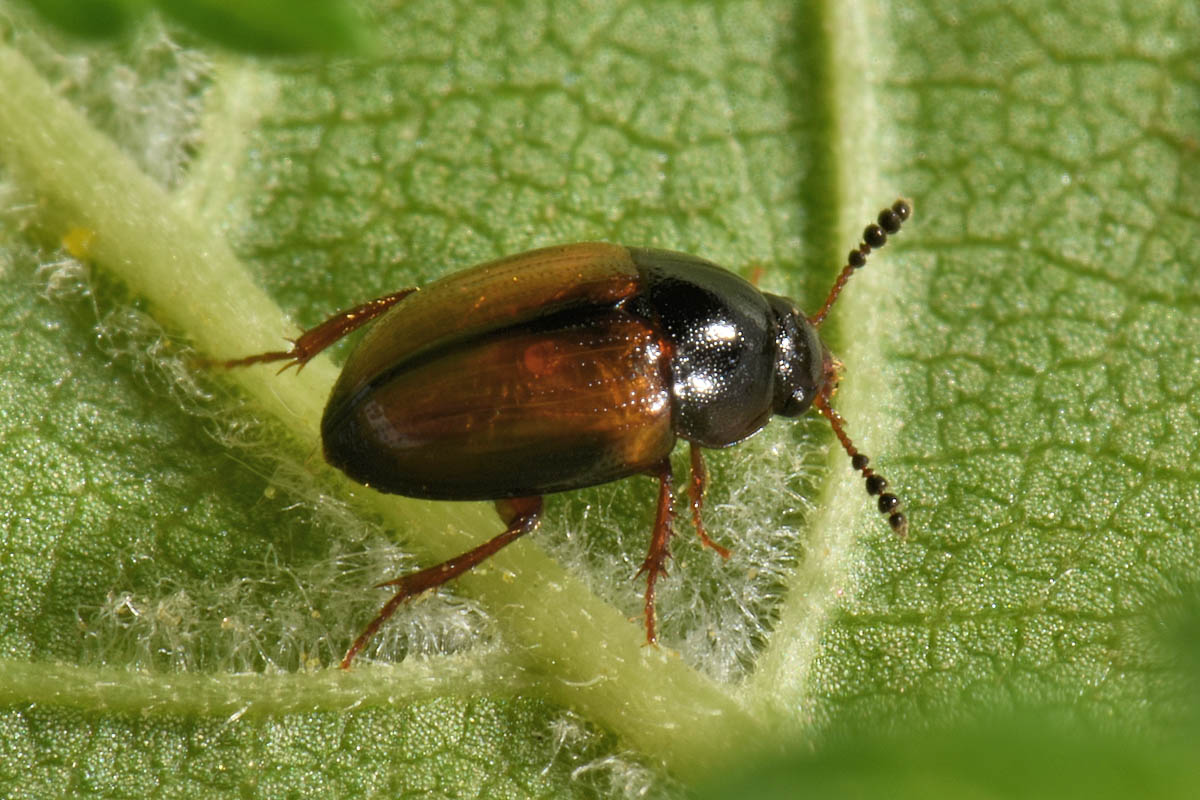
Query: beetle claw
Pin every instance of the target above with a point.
(298, 363)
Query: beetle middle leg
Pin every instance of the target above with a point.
(314, 340)
(520, 514)
(696, 495)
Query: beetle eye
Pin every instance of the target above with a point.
(796, 404)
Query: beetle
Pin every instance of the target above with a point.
(567, 367)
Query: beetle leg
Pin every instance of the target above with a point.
(314, 340)
(696, 494)
(660, 543)
(520, 514)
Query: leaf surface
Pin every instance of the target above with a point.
(1020, 363)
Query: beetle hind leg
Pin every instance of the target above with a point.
(520, 514)
(660, 544)
(314, 340)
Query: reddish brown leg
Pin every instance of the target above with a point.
(660, 543)
(521, 515)
(314, 340)
(696, 494)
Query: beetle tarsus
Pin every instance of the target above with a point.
(520, 514)
(314, 340)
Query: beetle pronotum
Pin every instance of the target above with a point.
(568, 367)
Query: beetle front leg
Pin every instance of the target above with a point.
(314, 340)
(696, 494)
(660, 543)
(520, 514)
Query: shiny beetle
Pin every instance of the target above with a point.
(568, 367)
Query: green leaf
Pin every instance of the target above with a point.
(1020, 363)
(96, 19)
(1055, 761)
(274, 26)
(252, 26)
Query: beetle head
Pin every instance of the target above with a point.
(801, 359)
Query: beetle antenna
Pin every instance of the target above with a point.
(876, 484)
(874, 236)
